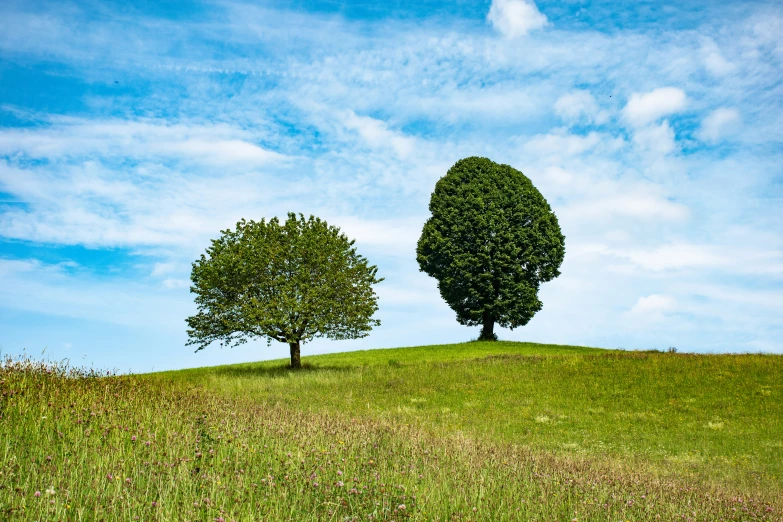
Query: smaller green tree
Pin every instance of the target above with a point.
(289, 282)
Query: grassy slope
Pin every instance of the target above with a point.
(715, 418)
(414, 354)
(499, 432)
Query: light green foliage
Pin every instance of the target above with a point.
(491, 241)
(287, 282)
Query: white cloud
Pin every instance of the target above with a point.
(376, 134)
(714, 61)
(559, 176)
(515, 18)
(653, 306)
(645, 108)
(677, 256)
(718, 124)
(176, 283)
(656, 139)
(580, 107)
(395, 237)
(74, 137)
(563, 144)
(148, 205)
(161, 269)
(681, 255)
(634, 205)
(217, 151)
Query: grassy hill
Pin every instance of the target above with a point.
(473, 431)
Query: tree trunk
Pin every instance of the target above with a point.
(295, 360)
(487, 333)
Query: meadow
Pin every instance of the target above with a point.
(474, 431)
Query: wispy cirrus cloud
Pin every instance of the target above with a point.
(79, 137)
(720, 123)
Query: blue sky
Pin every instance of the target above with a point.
(132, 134)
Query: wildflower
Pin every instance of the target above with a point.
(37, 494)
(154, 504)
(110, 476)
(340, 483)
(401, 507)
(339, 473)
(50, 491)
(133, 438)
(128, 480)
(220, 519)
(147, 444)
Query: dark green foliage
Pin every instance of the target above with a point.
(491, 241)
(287, 282)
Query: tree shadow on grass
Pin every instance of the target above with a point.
(278, 370)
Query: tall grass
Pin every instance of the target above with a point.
(81, 446)
(715, 419)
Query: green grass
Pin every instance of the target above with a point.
(714, 418)
(415, 354)
(474, 431)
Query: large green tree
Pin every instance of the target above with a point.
(491, 241)
(288, 282)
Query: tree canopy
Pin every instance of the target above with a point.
(288, 282)
(491, 241)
